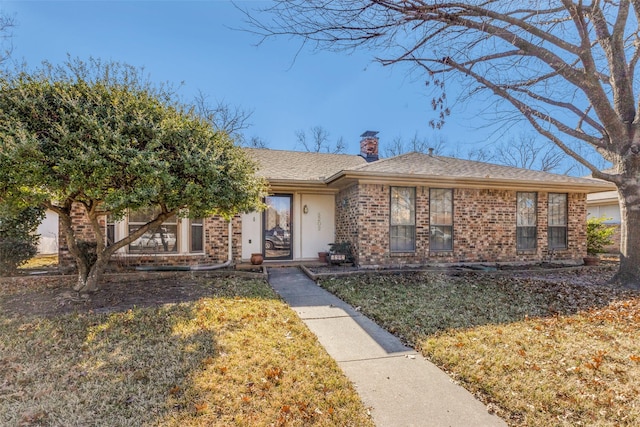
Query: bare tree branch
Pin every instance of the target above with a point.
(569, 68)
(318, 141)
(7, 24)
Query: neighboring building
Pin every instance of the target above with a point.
(605, 204)
(48, 231)
(411, 209)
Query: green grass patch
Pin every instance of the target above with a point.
(541, 353)
(237, 357)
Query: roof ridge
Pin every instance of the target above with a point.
(301, 152)
(383, 160)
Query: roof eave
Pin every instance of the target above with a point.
(344, 178)
(281, 185)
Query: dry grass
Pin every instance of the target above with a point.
(239, 357)
(540, 353)
(41, 261)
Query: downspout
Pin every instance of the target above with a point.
(227, 263)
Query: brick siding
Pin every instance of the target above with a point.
(484, 227)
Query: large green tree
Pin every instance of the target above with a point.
(567, 68)
(100, 136)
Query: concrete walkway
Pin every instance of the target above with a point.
(397, 383)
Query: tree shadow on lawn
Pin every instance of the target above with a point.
(52, 295)
(229, 355)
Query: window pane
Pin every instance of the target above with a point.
(111, 230)
(402, 219)
(440, 238)
(526, 210)
(557, 209)
(526, 237)
(144, 215)
(197, 235)
(403, 206)
(557, 237)
(402, 238)
(441, 206)
(158, 240)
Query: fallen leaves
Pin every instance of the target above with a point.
(556, 349)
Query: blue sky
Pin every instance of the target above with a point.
(196, 43)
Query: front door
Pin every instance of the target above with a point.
(277, 227)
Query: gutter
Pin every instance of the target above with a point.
(205, 267)
(577, 185)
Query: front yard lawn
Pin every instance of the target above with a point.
(551, 350)
(237, 356)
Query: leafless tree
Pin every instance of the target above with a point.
(318, 141)
(7, 24)
(231, 119)
(436, 144)
(568, 68)
(255, 142)
(529, 153)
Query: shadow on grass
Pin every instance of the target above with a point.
(228, 353)
(52, 295)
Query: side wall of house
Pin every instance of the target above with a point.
(216, 249)
(348, 217)
(484, 227)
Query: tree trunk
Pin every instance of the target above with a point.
(629, 273)
(89, 277)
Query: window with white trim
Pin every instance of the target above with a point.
(196, 235)
(174, 236)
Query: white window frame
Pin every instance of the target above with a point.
(184, 243)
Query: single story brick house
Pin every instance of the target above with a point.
(411, 209)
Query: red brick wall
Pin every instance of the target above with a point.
(484, 228)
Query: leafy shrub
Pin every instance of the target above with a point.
(598, 235)
(18, 241)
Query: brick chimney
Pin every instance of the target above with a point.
(369, 146)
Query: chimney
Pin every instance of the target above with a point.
(369, 146)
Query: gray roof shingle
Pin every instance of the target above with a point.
(301, 166)
(282, 165)
(420, 164)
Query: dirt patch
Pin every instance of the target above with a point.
(52, 295)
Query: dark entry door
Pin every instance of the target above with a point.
(277, 227)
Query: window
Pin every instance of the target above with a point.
(162, 239)
(403, 219)
(197, 235)
(526, 221)
(111, 230)
(441, 219)
(557, 221)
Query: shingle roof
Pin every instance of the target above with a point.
(282, 165)
(302, 166)
(420, 164)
